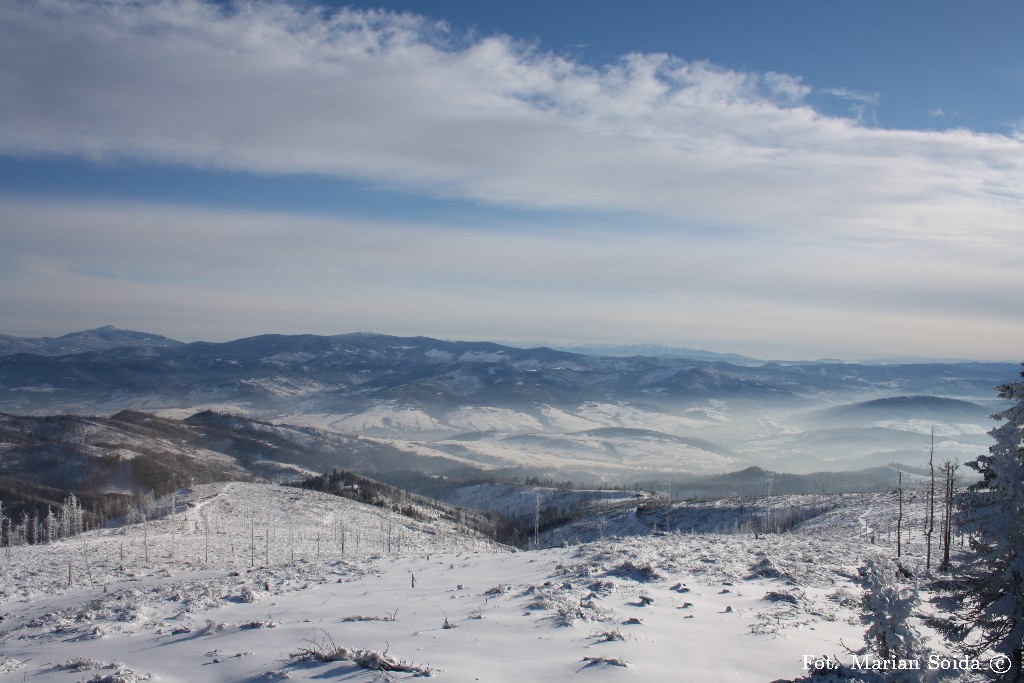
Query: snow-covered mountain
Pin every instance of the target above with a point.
(493, 406)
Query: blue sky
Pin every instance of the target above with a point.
(797, 179)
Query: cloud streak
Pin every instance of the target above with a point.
(270, 88)
(223, 274)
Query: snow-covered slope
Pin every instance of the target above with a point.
(247, 582)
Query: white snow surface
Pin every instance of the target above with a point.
(244, 602)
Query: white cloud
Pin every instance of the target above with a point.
(786, 87)
(1017, 130)
(269, 88)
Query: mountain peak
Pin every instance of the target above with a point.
(94, 339)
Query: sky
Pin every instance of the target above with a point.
(784, 180)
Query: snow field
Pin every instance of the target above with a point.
(529, 616)
(658, 607)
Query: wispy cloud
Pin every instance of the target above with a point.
(860, 96)
(844, 228)
(270, 88)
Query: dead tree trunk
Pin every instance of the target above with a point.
(929, 522)
(899, 514)
(950, 468)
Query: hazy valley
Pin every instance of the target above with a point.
(545, 413)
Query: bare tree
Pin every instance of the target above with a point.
(536, 523)
(949, 467)
(929, 522)
(899, 514)
(668, 506)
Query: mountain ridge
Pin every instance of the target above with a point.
(95, 339)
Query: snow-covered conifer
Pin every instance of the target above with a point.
(991, 512)
(888, 608)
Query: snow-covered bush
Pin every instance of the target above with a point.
(610, 661)
(888, 610)
(327, 651)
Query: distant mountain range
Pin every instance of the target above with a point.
(114, 369)
(649, 350)
(549, 411)
(344, 373)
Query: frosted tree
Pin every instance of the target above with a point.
(71, 517)
(888, 607)
(991, 582)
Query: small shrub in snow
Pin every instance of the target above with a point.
(260, 623)
(568, 612)
(212, 627)
(603, 587)
(82, 664)
(541, 600)
(766, 569)
(393, 616)
(611, 661)
(10, 664)
(844, 597)
(608, 636)
(627, 570)
(779, 596)
(247, 594)
(122, 675)
(327, 651)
